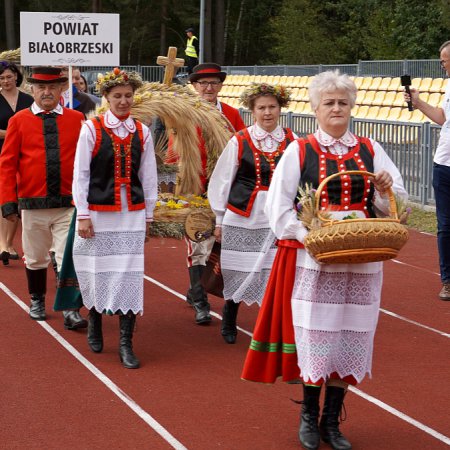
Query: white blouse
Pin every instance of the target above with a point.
(225, 171)
(283, 188)
(86, 142)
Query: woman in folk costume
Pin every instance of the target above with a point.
(114, 190)
(327, 312)
(237, 194)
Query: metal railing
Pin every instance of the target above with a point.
(411, 146)
(415, 68)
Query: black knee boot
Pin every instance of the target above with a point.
(197, 296)
(37, 287)
(94, 333)
(329, 422)
(229, 316)
(127, 357)
(309, 425)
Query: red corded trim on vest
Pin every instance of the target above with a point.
(242, 136)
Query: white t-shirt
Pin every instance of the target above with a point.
(442, 155)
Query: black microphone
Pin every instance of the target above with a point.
(406, 81)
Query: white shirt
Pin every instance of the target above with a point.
(86, 142)
(286, 178)
(225, 170)
(35, 109)
(442, 155)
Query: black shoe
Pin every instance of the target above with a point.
(308, 433)
(126, 354)
(202, 315)
(95, 334)
(5, 258)
(37, 307)
(329, 422)
(73, 320)
(229, 316)
(14, 256)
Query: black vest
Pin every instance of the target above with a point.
(109, 172)
(250, 177)
(311, 173)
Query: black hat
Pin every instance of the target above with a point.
(207, 70)
(191, 30)
(46, 75)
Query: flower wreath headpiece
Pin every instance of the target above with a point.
(115, 78)
(255, 90)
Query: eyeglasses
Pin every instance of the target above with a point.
(204, 84)
(444, 62)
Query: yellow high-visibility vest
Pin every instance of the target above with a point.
(190, 49)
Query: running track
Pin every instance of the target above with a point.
(56, 394)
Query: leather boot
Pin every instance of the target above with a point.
(73, 320)
(198, 296)
(127, 357)
(309, 425)
(229, 316)
(329, 422)
(37, 287)
(37, 307)
(94, 332)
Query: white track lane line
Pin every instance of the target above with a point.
(147, 418)
(396, 261)
(441, 437)
(386, 407)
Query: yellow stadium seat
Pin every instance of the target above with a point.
(424, 96)
(395, 85)
(307, 108)
(385, 82)
(276, 79)
(284, 80)
(375, 85)
(379, 98)
(296, 81)
(435, 99)
(399, 100)
(394, 113)
(436, 85)
(383, 113)
(444, 85)
(299, 107)
(360, 97)
(425, 84)
(358, 81)
(368, 98)
(367, 81)
(303, 81)
(264, 78)
(290, 81)
(228, 80)
(294, 94)
(303, 95)
(246, 79)
(372, 113)
(362, 111)
(308, 81)
(417, 116)
(354, 111)
(388, 99)
(405, 115)
(292, 106)
(415, 83)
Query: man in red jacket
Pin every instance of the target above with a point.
(207, 80)
(36, 164)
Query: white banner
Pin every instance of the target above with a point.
(49, 38)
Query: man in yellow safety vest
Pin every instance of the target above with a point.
(192, 50)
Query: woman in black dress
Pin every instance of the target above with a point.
(11, 101)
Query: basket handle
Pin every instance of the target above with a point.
(390, 192)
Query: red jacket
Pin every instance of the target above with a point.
(34, 175)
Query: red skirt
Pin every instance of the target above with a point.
(272, 351)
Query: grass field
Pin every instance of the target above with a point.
(422, 220)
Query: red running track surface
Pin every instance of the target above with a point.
(188, 393)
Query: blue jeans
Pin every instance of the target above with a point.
(441, 185)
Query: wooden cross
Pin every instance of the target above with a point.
(170, 61)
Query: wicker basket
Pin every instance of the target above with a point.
(353, 241)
